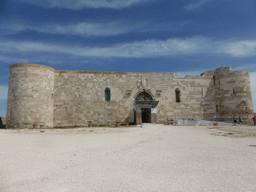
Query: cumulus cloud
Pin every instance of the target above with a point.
(80, 4)
(196, 4)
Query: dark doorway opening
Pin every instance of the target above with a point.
(146, 115)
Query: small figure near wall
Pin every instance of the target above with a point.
(254, 120)
(240, 120)
(234, 120)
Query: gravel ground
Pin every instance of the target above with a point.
(151, 158)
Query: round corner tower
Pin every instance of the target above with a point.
(30, 96)
(233, 92)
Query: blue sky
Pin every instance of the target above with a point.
(172, 36)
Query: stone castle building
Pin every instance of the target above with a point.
(55, 98)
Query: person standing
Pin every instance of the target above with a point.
(234, 120)
(240, 120)
(254, 120)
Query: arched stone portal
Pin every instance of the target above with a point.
(145, 107)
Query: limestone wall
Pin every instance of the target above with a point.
(48, 97)
(30, 96)
(79, 95)
(193, 92)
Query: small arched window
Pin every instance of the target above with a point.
(177, 93)
(107, 94)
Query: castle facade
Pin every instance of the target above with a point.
(56, 98)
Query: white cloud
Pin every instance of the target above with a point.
(80, 4)
(238, 48)
(3, 92)
(139, 49)
(153, 48)
(196, 5)
(87, 29)
(150, 48)
(83, 29)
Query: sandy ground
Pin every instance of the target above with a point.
(151, 158)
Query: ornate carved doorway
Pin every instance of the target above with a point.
(145, 108)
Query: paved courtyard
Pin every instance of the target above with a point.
(151, 158)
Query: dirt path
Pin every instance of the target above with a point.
(151, 158)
